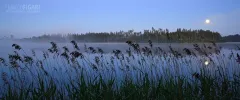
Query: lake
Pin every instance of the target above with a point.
(6, 46)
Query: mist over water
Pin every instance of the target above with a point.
(6, 46)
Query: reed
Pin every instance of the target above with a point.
(138, 73)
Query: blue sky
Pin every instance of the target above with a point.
(80, 16)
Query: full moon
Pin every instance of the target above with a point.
(207, 21)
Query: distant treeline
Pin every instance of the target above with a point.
(155, 35)
(232, 38)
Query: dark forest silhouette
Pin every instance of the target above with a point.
(155, 35)
(232, 38)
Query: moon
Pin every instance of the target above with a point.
(207, 21)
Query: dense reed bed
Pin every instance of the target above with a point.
(205, 72)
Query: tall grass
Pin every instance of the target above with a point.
(138, 73)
